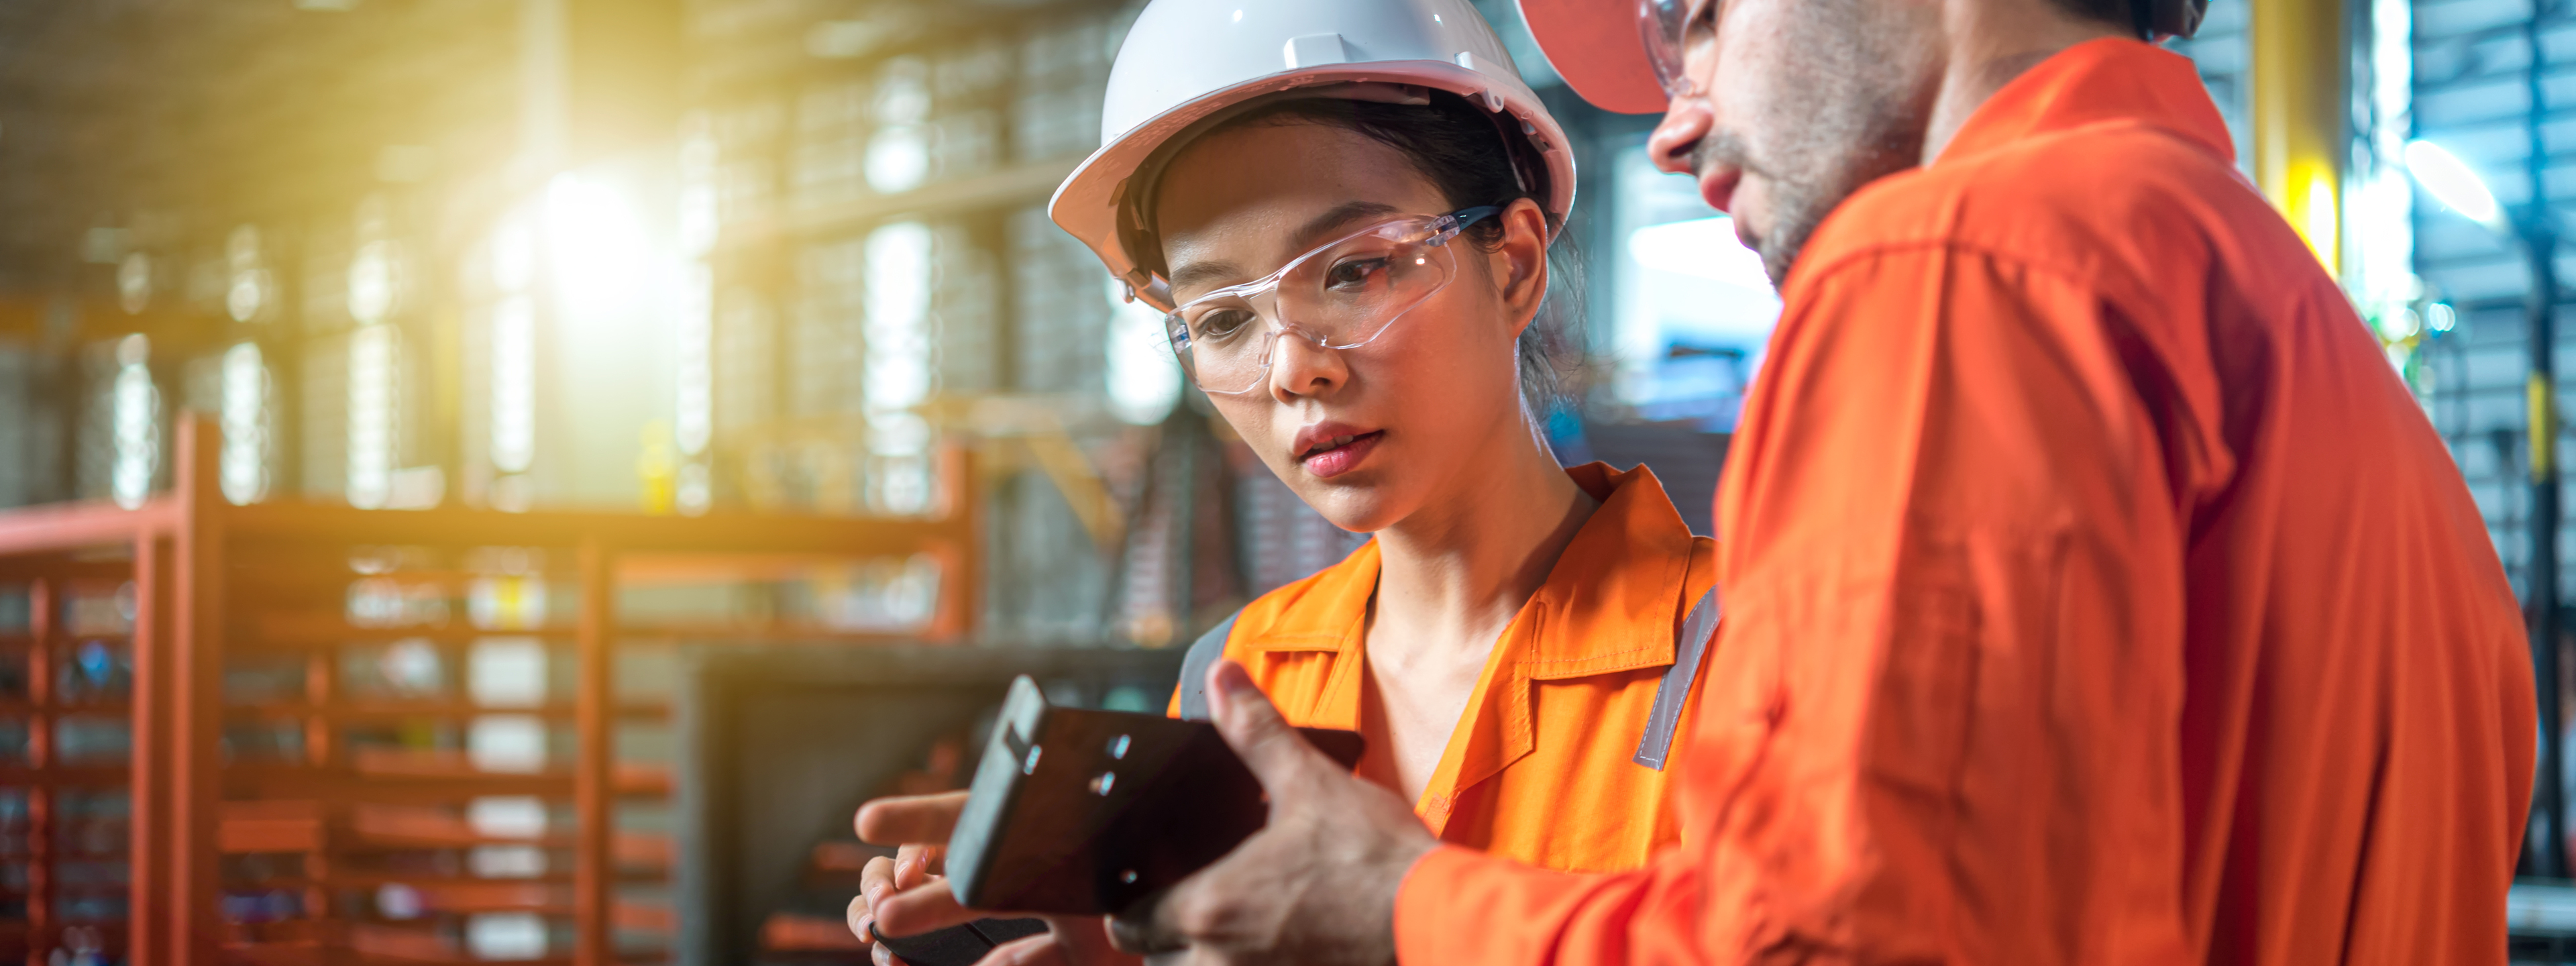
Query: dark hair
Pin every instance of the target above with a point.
(1461, 149)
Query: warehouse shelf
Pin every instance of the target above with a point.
(345, 806)
(399, 711)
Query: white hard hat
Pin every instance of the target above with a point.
(1185, 61)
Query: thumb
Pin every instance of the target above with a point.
(1274, 751)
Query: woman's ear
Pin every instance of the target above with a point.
(1520, 263)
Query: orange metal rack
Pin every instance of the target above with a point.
(213, 583)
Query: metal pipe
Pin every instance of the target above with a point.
(150, 763)
(2541, 572)
(2296, 96)
(194, 648)
(44, 926)
(594, 902)
(2538, 231)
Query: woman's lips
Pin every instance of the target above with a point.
(1327, 463)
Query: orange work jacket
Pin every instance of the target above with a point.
(2095, 594)
(1540, 768)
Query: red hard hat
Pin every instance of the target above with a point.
(1597, 47)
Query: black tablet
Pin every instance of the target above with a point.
(960, 945)
(1085, 812)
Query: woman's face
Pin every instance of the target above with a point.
(1367, 435)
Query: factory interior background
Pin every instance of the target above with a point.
(499, 480)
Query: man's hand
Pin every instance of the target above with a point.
(906, 895)
(1316, 886)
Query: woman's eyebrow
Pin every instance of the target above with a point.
(1340, 215)
(1194, 274)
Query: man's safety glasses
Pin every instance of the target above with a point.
(1663, 25)
(1341, 295)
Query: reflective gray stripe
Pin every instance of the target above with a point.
(1661, 722)
(1676, 687)
(1204, 653)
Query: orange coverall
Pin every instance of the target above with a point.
(1540, 768)
(2095, 594)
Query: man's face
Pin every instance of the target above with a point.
(1796, 104)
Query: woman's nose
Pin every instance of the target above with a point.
(1300, 366)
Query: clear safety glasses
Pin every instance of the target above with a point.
(1341, 295)
(1662, 25)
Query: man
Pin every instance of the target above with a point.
(2095, 593)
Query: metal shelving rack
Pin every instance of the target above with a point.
(218, 834)
(44, 836)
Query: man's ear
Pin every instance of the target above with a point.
(1520, 263)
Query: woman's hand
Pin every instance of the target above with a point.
(914, 824)
(907, 895)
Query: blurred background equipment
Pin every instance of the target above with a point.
(756, 301)
(682, 255)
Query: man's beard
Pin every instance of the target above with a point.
(1825, 173)
(1851, 107)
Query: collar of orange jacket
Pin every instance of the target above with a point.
(2112, 79)
(1607, 606)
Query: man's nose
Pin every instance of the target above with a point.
(1686, 121)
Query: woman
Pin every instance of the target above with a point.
(1353, 256)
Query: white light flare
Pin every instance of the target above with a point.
(1144, 380)
(595, 244)
(1702, 248)
(897, 326)
(514, 384)
(514, 256)
(2453, 183)
(372, 353)
(243, 465)
(135, 416)
(898, 372)
(693, 421)
(373, 282)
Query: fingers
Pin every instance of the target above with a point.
(1069, 941)
(910, 818)
(1145, 937)
(1275, 752)
(915, 862)
(876, 880)
(859, 918)
(1039, 950)
(882, 877)
(920, 910)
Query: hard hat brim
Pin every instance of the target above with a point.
(1087, 204)
(1595, 46)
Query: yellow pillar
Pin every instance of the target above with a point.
(2299, 110)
